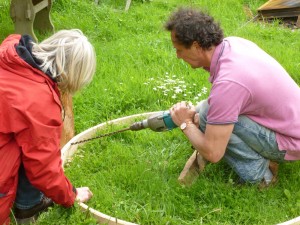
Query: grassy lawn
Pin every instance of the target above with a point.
(134, 175)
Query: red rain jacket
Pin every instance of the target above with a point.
(30, 130)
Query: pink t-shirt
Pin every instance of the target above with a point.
(247, 81)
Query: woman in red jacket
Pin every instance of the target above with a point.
(31, 174)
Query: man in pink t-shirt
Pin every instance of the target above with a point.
(241, 121)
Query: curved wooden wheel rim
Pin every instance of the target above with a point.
(68, 150)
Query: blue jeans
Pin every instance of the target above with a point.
(27, 195)
(250, 148)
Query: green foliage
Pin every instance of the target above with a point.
(6, 23)
(134, 177)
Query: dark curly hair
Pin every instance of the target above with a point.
(191, 25)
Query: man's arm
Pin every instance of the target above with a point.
(211, 144)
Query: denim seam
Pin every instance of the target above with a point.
(253, 131)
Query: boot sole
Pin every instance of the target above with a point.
(25, 221)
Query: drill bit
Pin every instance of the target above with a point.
(100, 136)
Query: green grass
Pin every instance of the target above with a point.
(132, 47)
(134, 177)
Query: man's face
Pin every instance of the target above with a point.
(192, 55)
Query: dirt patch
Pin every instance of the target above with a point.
(288, 22)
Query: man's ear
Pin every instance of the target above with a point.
(196, 45)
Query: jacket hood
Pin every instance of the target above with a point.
(16, 57)
(24, 50)
(25, 64)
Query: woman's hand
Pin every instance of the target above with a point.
(83, 194)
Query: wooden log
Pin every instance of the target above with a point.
(193, 167)
(279, 8)
(42, 21)
(22, 14)
(128, 2)
(28, 15)
(280, 4)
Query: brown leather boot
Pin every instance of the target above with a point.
(273, 166)
(27, 216)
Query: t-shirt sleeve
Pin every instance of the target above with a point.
(226, 101)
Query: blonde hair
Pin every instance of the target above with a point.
(68, 57)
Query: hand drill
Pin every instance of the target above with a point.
(161, 121)
(158, 122)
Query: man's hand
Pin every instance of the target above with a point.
(212, 144)
(182, 112)
(83, 194)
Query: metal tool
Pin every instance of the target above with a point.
(100, 136)
(160, 121)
